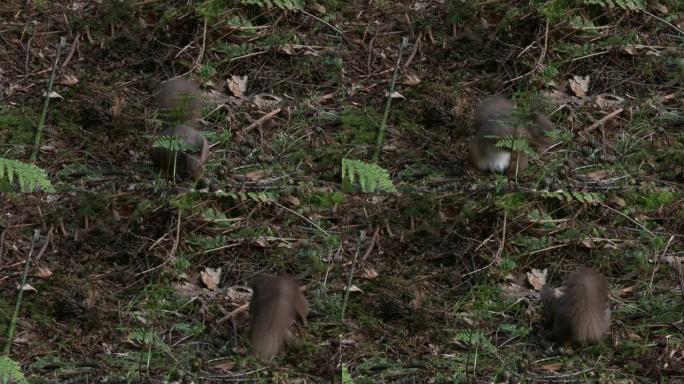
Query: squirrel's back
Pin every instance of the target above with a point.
(582, 312)
(180, 101)
(275, 305)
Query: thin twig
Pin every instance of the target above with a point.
(538, 65)
(628, 218)
(663, 21)
(41, 124)
(238, 310)
(69, 55)
(383, 123)
(303, 217)
(198, 61)
(362, 236)
(412, 55)
(173, 250)
(261, 120)
(13, 322)
(603, 120)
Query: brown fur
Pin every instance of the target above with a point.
(494, 118)
(180, 105)
(275, 305)
(580, 313)
(180, 101)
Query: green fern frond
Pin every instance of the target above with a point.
(30, 178)
(10, 372)
(346, 376)
(627, 5)
(174, 143)
(519, 144)
(582, 197)
(257, 197)
(475, 338)
(370, 177)
(145, 337)
(291, 5)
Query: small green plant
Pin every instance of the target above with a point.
(282, 4)
(10, 372)
(174, 144)
(583, 197)
(30, 178)
(519, 144)
(371, 177)
(346, 376)
(628, 5)
(147, 338)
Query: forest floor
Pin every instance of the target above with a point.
(132, 281)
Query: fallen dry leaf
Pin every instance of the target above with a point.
(292, 201)
(579, 85)
(43, 272)
(55, 95)
(262, 242)
(617, 201)
(68, 79)
(188, 290)
(369, 273)
(237, 85)
(353, 288)
(598, 175)
(224, 367)
(396, 95)
(238, 295)
(255, 175)
(588, 243)
(551, 367)
(537, 278)
(410, 78)
(318, 8)
(211, 277)
(27, 287)
(627, 291)
(516, 291)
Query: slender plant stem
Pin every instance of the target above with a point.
(362, 236)
(13, 322)
(385, 116)
(41, 124)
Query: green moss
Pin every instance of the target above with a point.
(359, 126)
(17, 125)
(650, 200)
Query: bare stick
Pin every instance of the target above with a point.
(603, 120)
(41, 124)
(13, 322)
(383, 123)
(238, 310)
(261, 120)
(362, 236)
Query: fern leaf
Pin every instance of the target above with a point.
(371, 177)
(10, 372)
(519, 144)
(30, 177)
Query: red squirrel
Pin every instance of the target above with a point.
(275, 305)
(180, 107)
(581, 312)
(494, 117)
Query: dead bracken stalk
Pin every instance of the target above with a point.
(383, 123)
(359, 240)
(41, 124)
(13, 321)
